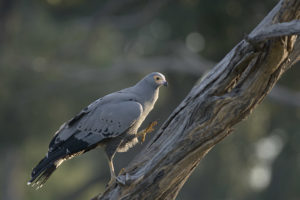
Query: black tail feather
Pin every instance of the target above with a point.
(70, 148)
(39, 180)
(45, 168)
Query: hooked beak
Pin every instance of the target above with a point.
(165, 83)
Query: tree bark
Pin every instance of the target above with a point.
(226, 96)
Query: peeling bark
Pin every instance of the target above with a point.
(224, 97)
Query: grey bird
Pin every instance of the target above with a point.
(111, 122)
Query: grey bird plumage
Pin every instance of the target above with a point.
(111, 122)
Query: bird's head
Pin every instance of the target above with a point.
(156, 79)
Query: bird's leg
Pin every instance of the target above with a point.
(113, 177)
(112, 172)
(110, 150)
(121, 171)
(149, 129)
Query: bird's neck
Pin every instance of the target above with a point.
(146, 93)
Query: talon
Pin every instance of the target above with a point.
(150, 128)
(124, 179)
(120, 180)
(121, 171)
(143, 137)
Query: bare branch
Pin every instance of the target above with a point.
(276, 30)
(225, 96)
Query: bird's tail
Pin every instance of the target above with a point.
(48, 164)
(43, 170)
(42, 176)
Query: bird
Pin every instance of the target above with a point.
(110, 122)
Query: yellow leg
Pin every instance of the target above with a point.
(122, 171)
(112, 172)
(149, 129)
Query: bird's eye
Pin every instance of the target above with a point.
(157, 78)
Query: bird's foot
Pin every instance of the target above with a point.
(149, 129)
(111, 182)
(121, 180)
(121, 171)
(124, 179)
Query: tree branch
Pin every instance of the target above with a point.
(276, 30)
(225, 96)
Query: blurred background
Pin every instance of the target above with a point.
(57, 56)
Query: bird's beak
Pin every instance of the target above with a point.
(165, 83)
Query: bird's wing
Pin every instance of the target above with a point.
(109, 120)
(67, 129)
(103, 120)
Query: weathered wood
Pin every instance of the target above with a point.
(223, 98)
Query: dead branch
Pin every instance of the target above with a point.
(225, 96)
